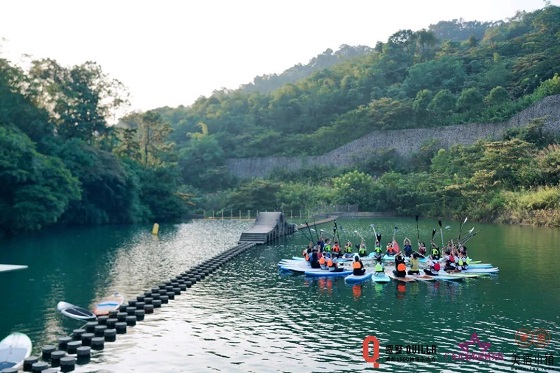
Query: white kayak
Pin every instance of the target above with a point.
(75, 312)
(293, 268)
(14, 349)
(293, 262)
(11, 267)
(481, 270)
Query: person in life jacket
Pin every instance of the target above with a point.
(314, 259)
(462, 263)
(422, 249)
(390, 250)
(323, 262)
(362, 251)
(320, 244)
(336, 249)
(307, 249)
(407, 247)
(400, 266)
(358, 266)
(348, 248)
(435, 252)
(414, 264)
(332, 265)
(379, 266)
(433, 268)
(450, 261)
(377, 248)
(327, 247)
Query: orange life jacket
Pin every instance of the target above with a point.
(322, 261)
(357, 265)
(401, 267)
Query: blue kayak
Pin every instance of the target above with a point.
(326, 273)
(380, 277)
(354, 279)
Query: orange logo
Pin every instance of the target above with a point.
(539, 338)
(365, 350)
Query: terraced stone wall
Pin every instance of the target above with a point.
(405, 142)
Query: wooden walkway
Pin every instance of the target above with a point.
(268, 227)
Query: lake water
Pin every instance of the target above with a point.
(248, 317)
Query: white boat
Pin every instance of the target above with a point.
(11, 267)
(14, 349)
(75, 312)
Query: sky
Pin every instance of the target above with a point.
(170, 52)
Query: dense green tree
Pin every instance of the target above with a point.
(443, 73)
(35, 189)
(354, 188)
(497, 96)
(202, 165)
(469, 100)
(80, 98)
(256, 195)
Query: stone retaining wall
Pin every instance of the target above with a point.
(404, 142)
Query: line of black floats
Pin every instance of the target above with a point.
(76, 348)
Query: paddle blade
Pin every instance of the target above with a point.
(396, 246)
(439, 223)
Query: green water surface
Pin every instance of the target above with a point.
(249, 317)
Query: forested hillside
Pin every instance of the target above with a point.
(452, 72)
(412, 80)
(61, 163)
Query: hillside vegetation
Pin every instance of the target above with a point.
(61, 163)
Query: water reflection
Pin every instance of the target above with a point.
(248, 317)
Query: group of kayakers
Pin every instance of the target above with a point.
(325, 254)
(318, 257)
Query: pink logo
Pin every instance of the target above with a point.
(474, 341)
(478, 352)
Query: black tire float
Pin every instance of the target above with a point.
(139, 314)
(98, 343)
(77, 334)
(96, 333)
(56, 356)
(28, 363)
(67, 364)
(99, 330)
(63, 343)
(110, 335)
(40, 366)
(73, 347)
(86, 339)
(46, 352)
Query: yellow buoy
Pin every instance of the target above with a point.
(155, 229)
